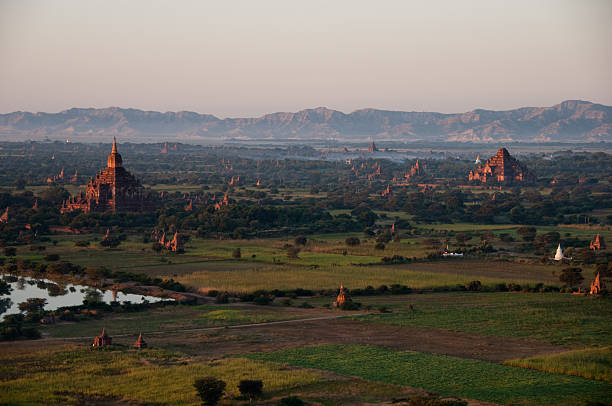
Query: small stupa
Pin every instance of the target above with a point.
(343, 297)
(559, 254)
(102, 340)
(140, 342)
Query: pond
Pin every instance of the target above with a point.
(59, 294)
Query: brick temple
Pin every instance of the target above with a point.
(501, 168)
(113, 189)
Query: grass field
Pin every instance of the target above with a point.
(171, 318)
(591, 363)
(61, 376)
(286, 277)
(447, 375)
(550, 317)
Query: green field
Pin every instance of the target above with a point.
(550, 317)
(170, 318)
(57, 377)
(446, 375)
(590, 363)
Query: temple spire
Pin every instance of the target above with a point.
(114, 151)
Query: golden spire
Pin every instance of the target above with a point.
(114, 151)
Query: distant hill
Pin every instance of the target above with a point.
(569, 121)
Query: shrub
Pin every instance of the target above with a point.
(352, 241)
(379, 246)
(474, 286)
(210, 389)
(350, 306)
(237, 253)
(571, 276)
(292, 252)
(306, 305)
(263, 300)
(222, 298)
(10, 251)
(250, 388)
(291, 401)
(300, 240)
(81, 243)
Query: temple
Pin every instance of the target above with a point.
(343, 297)
(596, 286)
(102, 340)
(372, 147)
(140, 342)
(114, 189)
(501, 168)
(598, 243)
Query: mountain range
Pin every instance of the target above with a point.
(569, 121)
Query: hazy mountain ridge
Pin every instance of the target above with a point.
(572, 120)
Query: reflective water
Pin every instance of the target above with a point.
(59, 294)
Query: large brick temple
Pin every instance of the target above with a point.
(113, 189)
(501, 168)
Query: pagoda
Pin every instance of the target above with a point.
(598, 243)
(343, 297)
(140, 342)
(596, 286)
(372, 147)
(102, 340)
(114, 189)
(501, 168)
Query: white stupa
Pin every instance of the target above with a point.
(559, 254)
(477, 160)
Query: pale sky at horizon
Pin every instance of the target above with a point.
(248, 58)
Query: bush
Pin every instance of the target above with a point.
(352, 241)
(474, 286)
(292, 252)
(350, 306)
(300, 240)
(237, 253)
(250, 389)
(306, 305)
(263, 300)
(222, 298)
(379, 246)
(210, 389)
(10, 251)
(571, 276)
(291, 401)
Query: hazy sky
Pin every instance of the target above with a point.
(245, 58)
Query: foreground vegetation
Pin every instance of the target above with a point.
(591, 363)
(467, 378)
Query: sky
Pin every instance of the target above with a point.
(246, 58)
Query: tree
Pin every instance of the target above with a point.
(236, 253)
(10, 251)
(527, 233)
(384, 237)
(210, 389)
(462, 238)
(250, 388)
(571, 276)
(32, 305)
(292, 252)
(300, 240)
(352, 241)
(291, 401)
